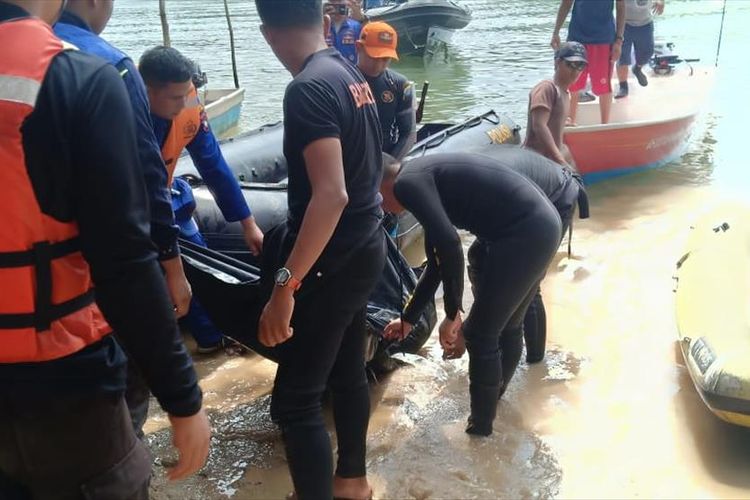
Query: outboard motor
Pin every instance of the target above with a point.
(665, 59)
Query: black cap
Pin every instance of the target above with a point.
(572, 51)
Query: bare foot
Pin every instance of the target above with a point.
(356, 488)
(570, 123)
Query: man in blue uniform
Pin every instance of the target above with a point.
(80, 25)
(179, 122)
(393, 92)
(344, 31)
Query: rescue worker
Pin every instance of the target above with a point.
(394, 93)
(445, 191)
(180, 122)
(323, 262)
(80, 24)
(565, 190)
(75, 216)
(345, 30)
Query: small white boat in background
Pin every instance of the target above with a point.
(223, 107)
(648, 128)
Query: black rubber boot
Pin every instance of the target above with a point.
(483, 409)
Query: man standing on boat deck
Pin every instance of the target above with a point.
(549, 104)
(639, 37)
(345, 28)
(592, 24)
(180, 122)
(75, 217)
(446, 191)
(393, 92)
(326, 257)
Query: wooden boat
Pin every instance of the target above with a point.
(648, 129)
(713, 317)
(223, 107)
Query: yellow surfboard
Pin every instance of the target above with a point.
(713, 310)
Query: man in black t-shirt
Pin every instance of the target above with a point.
(393, 93)
(330, 251)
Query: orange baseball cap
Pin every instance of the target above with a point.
(379, 40)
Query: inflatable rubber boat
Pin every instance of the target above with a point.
(414, 19)
(257, 159)
(230, 291)
(713, 315)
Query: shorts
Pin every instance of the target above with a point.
(638, 39)
(599, 67)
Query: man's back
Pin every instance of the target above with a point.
(475, 192)
(592, 22)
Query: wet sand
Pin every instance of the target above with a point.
(611, 412)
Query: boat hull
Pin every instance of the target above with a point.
(648, 128)
(608, 153)
(412, 21)
(713, 319)
(223, 109)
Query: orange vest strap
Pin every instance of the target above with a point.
(41, 319)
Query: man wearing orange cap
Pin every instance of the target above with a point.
(394, 94)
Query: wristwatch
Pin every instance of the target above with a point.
(283, 277)
(619, 37)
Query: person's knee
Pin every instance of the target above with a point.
(290, 406)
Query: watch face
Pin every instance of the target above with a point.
(282, 276)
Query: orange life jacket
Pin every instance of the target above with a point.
(183, 130)
(47, 307)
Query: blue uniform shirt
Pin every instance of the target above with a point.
(206, 154)
(74, 30)
(592, 22)
(345, 39)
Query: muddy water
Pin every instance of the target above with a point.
(611, 412)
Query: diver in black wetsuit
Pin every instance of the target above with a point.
(565, 190)
(521, 231)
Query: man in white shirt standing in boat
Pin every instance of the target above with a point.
(549, 104)
(639, 38)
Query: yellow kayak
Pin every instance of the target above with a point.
(713, 310)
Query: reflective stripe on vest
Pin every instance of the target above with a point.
(182, 132)
(47, 308)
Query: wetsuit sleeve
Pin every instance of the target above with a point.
(426, 287)
(206, 154)
(310, 113)
(163, 229)
(417, 192)
(112, 213)
(406, 120)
